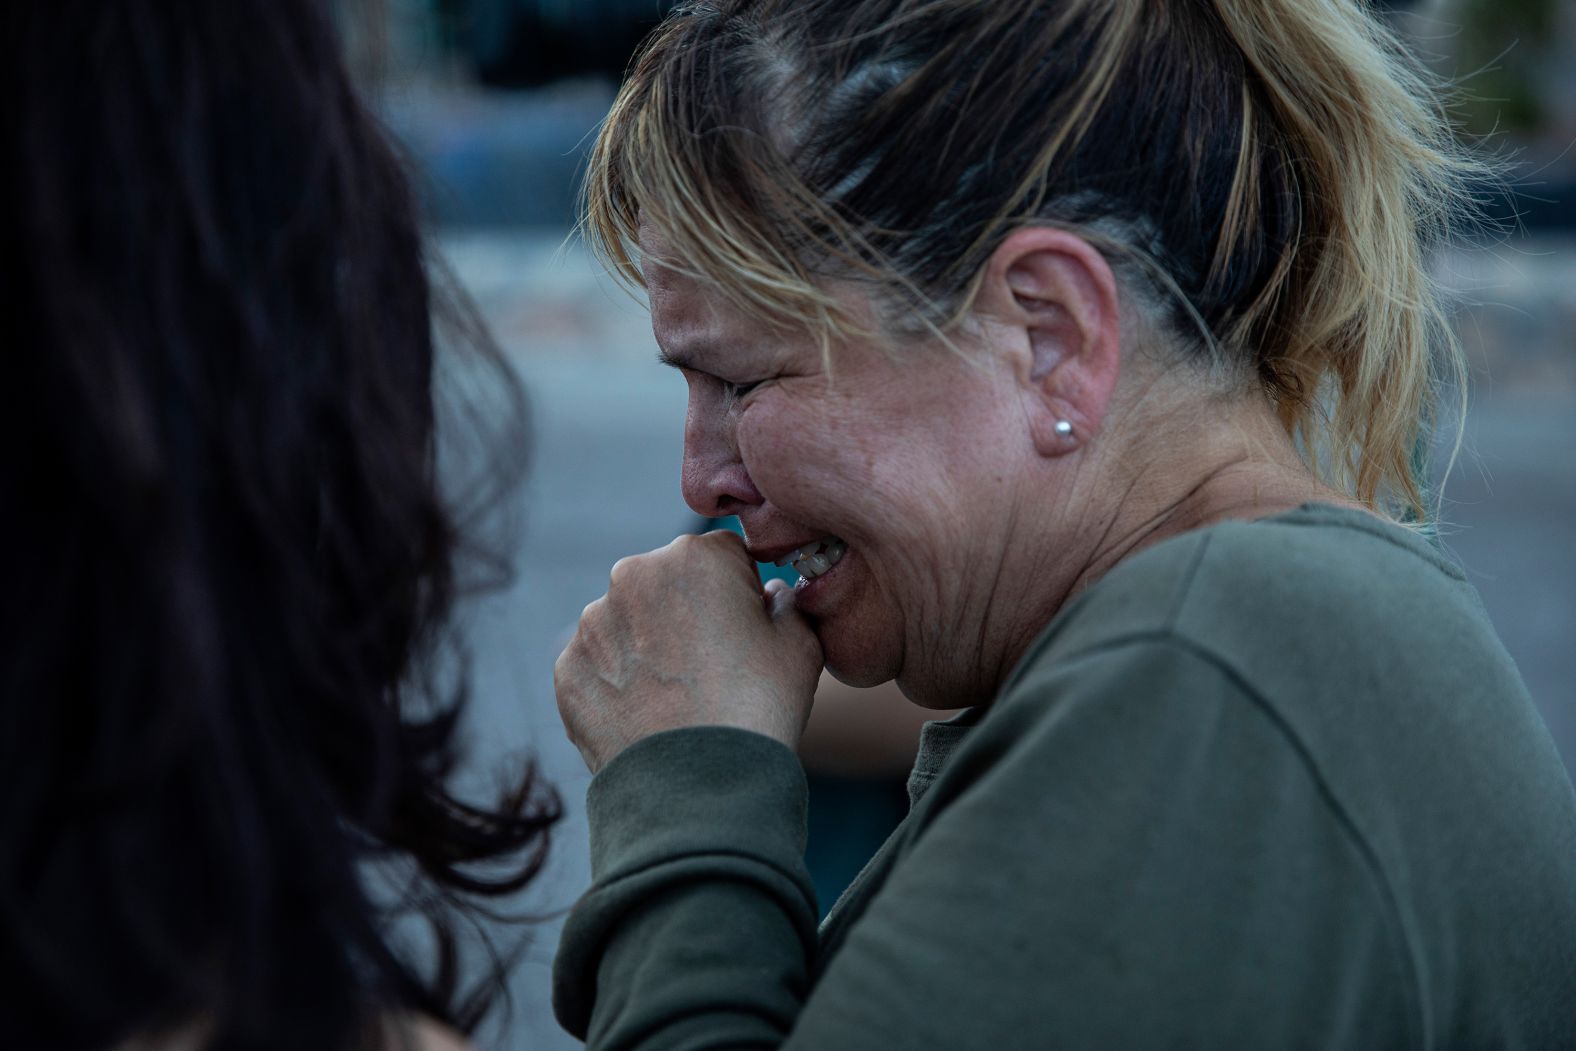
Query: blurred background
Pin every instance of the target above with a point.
(497, 102)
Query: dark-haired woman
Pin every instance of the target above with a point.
(1075, 353)
(227, 560)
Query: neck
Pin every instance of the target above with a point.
(1230, 460)
(1235, 490)
(1130, 495)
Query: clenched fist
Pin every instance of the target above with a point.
(686, 636)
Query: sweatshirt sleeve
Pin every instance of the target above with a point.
(700, 924)
(1130, 850)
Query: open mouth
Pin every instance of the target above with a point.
(816, 558)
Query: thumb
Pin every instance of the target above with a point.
(782, 608)
(780, 601)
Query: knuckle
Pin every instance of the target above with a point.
(693, 548)
(724, 545)
(563, 683)
(723, 539)
(621, 571)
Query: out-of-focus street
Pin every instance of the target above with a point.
(1510, 504)
(606, 422)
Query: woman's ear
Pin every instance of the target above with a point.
(1058, 295)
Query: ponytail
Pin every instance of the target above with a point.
(1355, 337)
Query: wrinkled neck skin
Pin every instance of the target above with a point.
(1170, 457)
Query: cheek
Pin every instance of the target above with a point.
(872, 470)
(802, 461)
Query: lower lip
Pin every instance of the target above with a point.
(809, 594)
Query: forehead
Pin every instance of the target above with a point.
(695, 325)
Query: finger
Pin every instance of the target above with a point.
(733, 544)
(719, 550)
(772, 587)
(782, 607)
(795, 636)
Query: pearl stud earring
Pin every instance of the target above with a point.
(1064, 429)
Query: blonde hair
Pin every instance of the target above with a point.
(1282, 166)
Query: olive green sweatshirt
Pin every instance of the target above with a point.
(1268, 784)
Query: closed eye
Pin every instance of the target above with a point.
(735, 391)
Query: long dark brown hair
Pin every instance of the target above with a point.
(227, 564)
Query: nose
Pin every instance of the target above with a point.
(714, 481)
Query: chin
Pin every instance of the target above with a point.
(857, 677)
(859, 666)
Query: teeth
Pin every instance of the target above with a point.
(812, 560)
(804, 552)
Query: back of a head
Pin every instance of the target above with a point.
(1270, 173)
(227, 553)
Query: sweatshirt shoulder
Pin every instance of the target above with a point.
(1316, 578)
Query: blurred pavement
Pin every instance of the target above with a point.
(603, 484)
(1510, 507)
